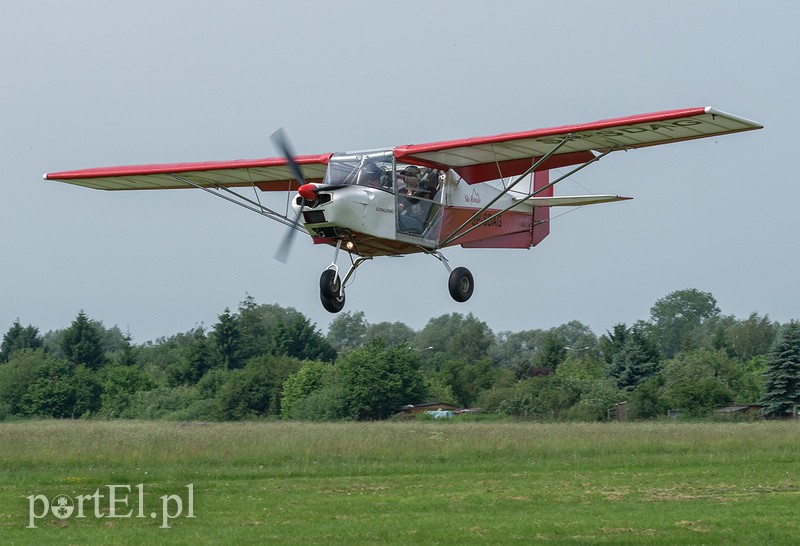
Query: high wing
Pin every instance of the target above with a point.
(479, 159)
(269, 174)
(476, 159)
(573, 200)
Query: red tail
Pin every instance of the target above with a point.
(541, 215)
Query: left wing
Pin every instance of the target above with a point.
(270, 174)
(479, 159)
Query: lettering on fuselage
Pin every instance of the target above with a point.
(496, 222)
(621, 132)
(474, 198)
(384, 209)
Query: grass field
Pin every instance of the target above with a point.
(401, 482)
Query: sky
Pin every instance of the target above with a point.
(96, 83)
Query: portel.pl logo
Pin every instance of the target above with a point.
(110, 501)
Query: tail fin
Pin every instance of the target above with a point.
(541, 215)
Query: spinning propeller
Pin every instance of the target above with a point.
(306, 191)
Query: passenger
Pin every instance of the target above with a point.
(407, 178)
(408, 190)
(429, 184)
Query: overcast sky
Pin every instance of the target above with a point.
(99, 83)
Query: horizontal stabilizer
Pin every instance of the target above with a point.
(572, 200)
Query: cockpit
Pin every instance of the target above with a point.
(416, 189)
(372, 169)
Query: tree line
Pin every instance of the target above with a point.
(269, 361)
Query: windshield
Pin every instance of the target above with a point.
(373, 169)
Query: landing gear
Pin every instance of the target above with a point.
(330, 284)
(461, 284)
(331, 293)
(331, 287)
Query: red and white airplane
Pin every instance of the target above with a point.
(480, 192)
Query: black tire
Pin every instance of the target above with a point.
(329, 285)
(332, 305)
(461, 284)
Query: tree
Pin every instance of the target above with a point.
(611, 343)
(376, 380)
(272, 329)
(542, 397)
(192, 359)
(517, 350)
(127, 354)
(552, 353)
(255, 322)
(678, 315)
(16, 376)
(228, 340)
(699, 382)
(312, 377)
(468, 381)
(646, 401)
(120, 383)
(751, 337)
(255, 390)
(782, 388)
(347, 331)
(456, 337)
(577, 337)
(472, 340)
(18, 338)
(81, 344)
(393, 333)
(635, 360)
(61, 389)
(297, 337)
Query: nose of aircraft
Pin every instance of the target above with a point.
(307, 192)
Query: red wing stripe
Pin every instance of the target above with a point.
(540, 133)
(178, 168)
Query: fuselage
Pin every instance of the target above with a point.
(382, 207)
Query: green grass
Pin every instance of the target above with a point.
(407, 482)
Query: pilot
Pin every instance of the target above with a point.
(370, 175)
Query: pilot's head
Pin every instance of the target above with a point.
(410, 174)
(370, 174)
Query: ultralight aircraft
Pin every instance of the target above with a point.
(479, 192)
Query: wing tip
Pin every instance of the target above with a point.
(748, 122)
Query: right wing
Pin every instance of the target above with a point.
(572, 200)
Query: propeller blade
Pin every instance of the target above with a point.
(282, 142)
(282, 254)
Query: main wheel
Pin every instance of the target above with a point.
(330, 284)
(461, 284)
(332, 305)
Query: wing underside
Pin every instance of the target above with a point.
(270, 174)
(476, 159)
(479, 159)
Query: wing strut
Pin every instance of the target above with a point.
(456, 235)
(243, 202)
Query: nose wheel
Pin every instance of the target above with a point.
(331, 291)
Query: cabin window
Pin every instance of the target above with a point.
(368, 169)
(418, 199)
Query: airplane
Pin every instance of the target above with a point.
(478, 192)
